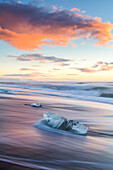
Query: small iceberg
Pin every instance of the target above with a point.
(55, 121)
(36, 105)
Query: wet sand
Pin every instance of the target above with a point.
(11, 166)
(22, 143)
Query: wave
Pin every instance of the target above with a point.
(100, 88)
(7, 91)
(108, 95)
(90, 91)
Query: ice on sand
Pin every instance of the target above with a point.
(55, 121)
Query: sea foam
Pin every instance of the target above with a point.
(7, 91)
(101, 92)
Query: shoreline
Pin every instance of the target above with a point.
(20, 139)
(8, 165)
(48, 98)
(99, 93)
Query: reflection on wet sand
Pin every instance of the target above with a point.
(23, 143)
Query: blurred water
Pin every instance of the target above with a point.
(91, 91)
(47, 148)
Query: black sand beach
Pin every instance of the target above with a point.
(24, 146)
(56, 84)
(11, 166)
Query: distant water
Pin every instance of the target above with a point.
(91, 91)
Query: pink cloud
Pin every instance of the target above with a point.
(54, 7)
(83, 11)
(36, 65)
(19, 2)
(27, 69)
(73, 44)
(97, 67)
(75, 9)
(83, 43)
(29, 27)
(57, 69)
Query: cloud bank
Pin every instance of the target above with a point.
(41, 58)
(27, 69)
(31, 75)
(28, 27)
(97, 67)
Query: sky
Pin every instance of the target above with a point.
(56, 40)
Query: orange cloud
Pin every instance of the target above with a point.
(54, 7)
(75, 9)
(73, 44)
(36, 65)
(83, 11)
(56, 69)
(87, 70)
(29, 27)
(82, 43)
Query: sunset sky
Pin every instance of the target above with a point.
(66, 40)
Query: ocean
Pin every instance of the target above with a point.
(91, 91)
(27, 143)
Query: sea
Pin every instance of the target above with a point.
(24, 141)
(90, 91)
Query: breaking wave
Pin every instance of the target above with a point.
(108, 95)
(90, 91)
(7, 91)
